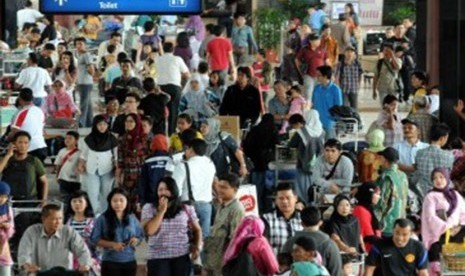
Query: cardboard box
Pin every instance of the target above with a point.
(247, 195)
(231, 124)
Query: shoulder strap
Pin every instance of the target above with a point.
(388, 66)
(188, 181)
(225, 148)
(333, 170)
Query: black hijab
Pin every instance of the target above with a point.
(98, 141)
(346, 227)
(364, 198)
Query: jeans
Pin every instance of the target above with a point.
(350, 99)
(119, 269)
(302, 184)
(98, 187)
(85, 104)
(173, 105)
(309, 85)
(38, 102)
(330, 132)
(67, 188)
(204, 212)
(179, 266)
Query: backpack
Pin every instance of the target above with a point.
(21, 183)
(242, 264)
(341, 111)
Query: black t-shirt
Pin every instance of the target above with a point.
(391, 260)
(45, 62)
(154, 105)
(118, 126)
(120, 87)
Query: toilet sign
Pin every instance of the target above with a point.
(121, 6)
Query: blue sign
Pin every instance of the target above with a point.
(121, 6)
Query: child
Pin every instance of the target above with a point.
(285, 262)
(433, 97)
(298, 105)
(6, 229)
(147, 122)
(347, 265)
(118, 232)
(203, 73)
(184, 122)
(227, 217)
(262, 70)
(304, 253)
(66, 166)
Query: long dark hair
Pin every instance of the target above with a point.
(182, 40)
(88, 212)
(175, 204)
(72, 67)
(110, 214)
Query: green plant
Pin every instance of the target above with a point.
(399, 13)
(268, 23)
(298, 8)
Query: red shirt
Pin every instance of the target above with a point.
(313, 58)
(218, 49)
(258, 72)
(366, 229)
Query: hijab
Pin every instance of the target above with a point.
(134, 136)
(250, 227)
(364, 198)
(196, 99)
(375, 140)
(212, 137)
(448, 192)
(195, 23)
(63, 86)
(313, 125)
(347, 227)
(98, 141)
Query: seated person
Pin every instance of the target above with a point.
(333, 172)
(304, 253)
(58, 103)
(50, 244)
(406, 256)
(423, 118)
(368, 162)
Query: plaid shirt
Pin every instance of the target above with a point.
(425, 121)
(279, 229)
(351, 76)
(426, 161)
(171, 239)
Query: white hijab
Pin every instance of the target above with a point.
(312, 125)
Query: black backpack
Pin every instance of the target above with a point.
(242, 264)
(16, 175)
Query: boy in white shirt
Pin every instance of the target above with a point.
(66, 166)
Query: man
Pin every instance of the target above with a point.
(30, 119)
(348, 75)
(311, 222)
(393, 185)
(329, 44)
(312, 56)
(317, 17)
(123, 84)
(389, 121)
(411, 30)
(27, 15)
(131, 104)
(171, 70)
(85, 81)
(423, 118)
(115, 39)
(220, 53)
(45, 58)
(22, 170)
(209, 36)
(52, 244)
(333, 172)
(242, 39)
(433, 157)
(398, 255)
(304, 254)
(242, 98)
(35, 78)
(154, 105)
(195, 180)
(341, 33)
(283, 222)
(278, 106)
(325, 96)
(387, 71)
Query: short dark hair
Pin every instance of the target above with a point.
(148, 84)
(403, 223)
(49, 46)
(245, 70)
(21, 133)
(209, 27)
(186, 117)
(286, 186)
(342, 17)
(326, 71)
(203, 67)
(49, 208)
(333, 143)
(346, 259)
(239, 14)
(218, 30)
(438, 131)
(232, 179)
(115, 34)
(120, 57)
(296, 119)
(147, 119)
(73, 133)
(134, 95)
(389, 99)
(34, 58)
(168, 47)
(79, 38)
(307, 243)
(111, 48)
(182, 40)
(199, 146)
(187, 136)
(422, 76)
(126, 61)
(324, 27)
(26, 94)
(149, 25)
(310, 216)
(28, 3)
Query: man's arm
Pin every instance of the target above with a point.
(26, 258)
(9, 154)
(43, 180)
(369, 270)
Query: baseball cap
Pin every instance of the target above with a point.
(409, 121)
(391, 154)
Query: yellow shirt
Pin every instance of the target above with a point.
(176, 144)
(418, 93)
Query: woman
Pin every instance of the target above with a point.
(353, 22)
(66, 71)
(368, 161)
(97, 162)
(259, 145)
(344, 228)
(49, 33)
(196, 27)
(367, 196)
(168, 224)
(305, 31)
(419, 81)
(222, 149)
(443, 209)
(183, 48)
(133, 148)
(217, 85)
(58, 103)
(118, 232)
(293, 44)
(197, 101)
(249, 236)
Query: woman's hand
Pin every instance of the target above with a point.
(162, 205)
(118, 246)
(133, 241)
(352, 251)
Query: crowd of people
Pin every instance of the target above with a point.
(156, 165)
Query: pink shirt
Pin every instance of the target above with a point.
(297, 105)
(6, 234)
(63, 101)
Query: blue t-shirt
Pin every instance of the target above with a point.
(325, 97)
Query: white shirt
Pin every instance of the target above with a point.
(202, 173)
(36, 79)
(27, 15)
(170, 68)
(98, 162)
(68, 169)
(31, 119)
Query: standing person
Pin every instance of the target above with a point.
(424, 120)
(329, 44)
(118, 232)
(411, 29)
(387, 71)
(326, 95)
(131, 103)
(208, 36)
(97, 163)
(66, 71)
(242, 39)
(171, 70)
(35, 78)
(154, 105)
(27, 15)
(183, 48)
(311, 56)
(419, 81)
(85, 81)
(353, 22)
(7, 229)
(278, 106)
(348, 74)
(341, 33)
(121, 85)
(45, 57)
(220, 53)
(293, 43)
(150, 36)
(262, 71)
(389, 121)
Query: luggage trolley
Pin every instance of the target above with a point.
(358, 264)
(454, 267)
(347, 126)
